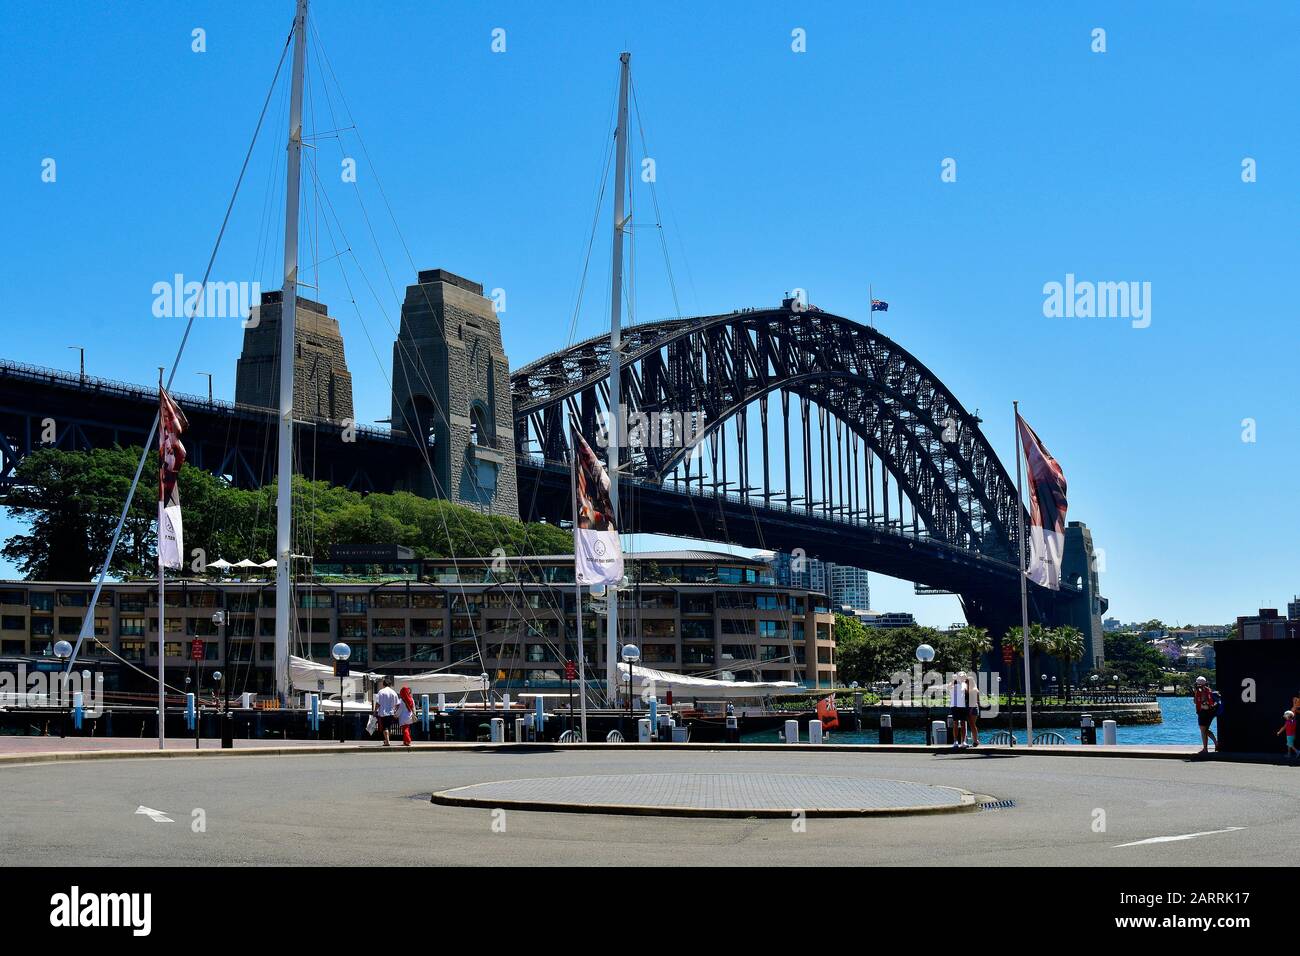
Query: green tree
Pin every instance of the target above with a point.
(1065, 643)
(1136, 661)
(970, 644)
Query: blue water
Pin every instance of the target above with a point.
(1177, 727)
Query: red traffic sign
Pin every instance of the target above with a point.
(570, 670)
(1008, 653)
(196, 649)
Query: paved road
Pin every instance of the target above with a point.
(354, 808)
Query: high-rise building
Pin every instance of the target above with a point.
(844, 585)
(1293, 609)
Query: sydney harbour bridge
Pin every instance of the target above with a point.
(786, 428)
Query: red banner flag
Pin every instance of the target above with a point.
(171, 456)
(1047, 506)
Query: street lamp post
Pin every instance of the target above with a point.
(925, 654)
(80, 349)
(630, 654)
(341, 652)
(63, 650)
(209, 376)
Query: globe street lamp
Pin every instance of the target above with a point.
(341, 652)
(63, 650)
(925, 654)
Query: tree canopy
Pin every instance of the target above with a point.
(69, 503)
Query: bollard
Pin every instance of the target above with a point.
(424, 714)
(886, 728)
(498, 730)
(313, 711)
(246, 700)
(733, 729)
(939, 732)
(189, 711)
(519, 730)
(814, 731)
(1108, 732)
(442, 702)
(1087, 729)
(539, 725)
(505, 701)
(654, 717)
(78, 709)
(643, 730)
(792, 731)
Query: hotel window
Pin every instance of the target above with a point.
(737, 652)
(772, 652)
(428, 599)
(737, 627)
(697, 630)
(824, 655)
(386, 653)
(13, 597)
(69, 625)
(13, 622)
(353, 603)
(202, 598)
(427, 652)
(266, 651)
(801, 653)
(170, 648)
(321, 652)
(314, 625)
(658, 629)
(240, 651)
(132, 602)
(772, 630)
(697, 655)
(132, 649)
(659, 653)
(388, 627)
(315, 599)
(201, 627)
(72, 599)
(389, 599)
(42, 627)
(13, 647)
(131, 627)
(796, 605)
(42, 601)
(767, 602)
(697, 603)
(174, 625)
(352, 627)
(241, 627)
(426, 627)
(540, 653)
(266, 627)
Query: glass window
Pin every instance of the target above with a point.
(427, 652)
(659, 653)
(69, 625)
(389, 627)
(730, 626)
(13, 647)
(13, 622)
(42, 627)
(132, 648)
(131, 627)
(72, 598)
(389, 652)
(697, 655)
(42, 601)
(13, 597)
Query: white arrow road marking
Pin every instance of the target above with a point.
(157, 816)
(1174, 839)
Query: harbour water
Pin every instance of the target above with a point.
(1177, 726)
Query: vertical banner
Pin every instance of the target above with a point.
(1047, 506)
(597, 553)
(171, 456)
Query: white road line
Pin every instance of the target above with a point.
(157, 816)
(1174, 839)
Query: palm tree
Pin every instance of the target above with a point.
(1066, 643)
(1039, 644)
(971, 643)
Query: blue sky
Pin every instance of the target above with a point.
(775, 169)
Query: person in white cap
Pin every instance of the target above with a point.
(1206, 708)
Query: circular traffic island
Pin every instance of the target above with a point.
(713, 795)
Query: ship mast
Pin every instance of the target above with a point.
(615, 359)
(288, 317)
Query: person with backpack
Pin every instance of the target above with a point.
(1207, 708)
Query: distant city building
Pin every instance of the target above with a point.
(888, 619)
(1267, 625)
(1293, 609)
(847, 586)
(1111, 624)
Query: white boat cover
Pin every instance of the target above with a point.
(309, 676)
(688, 685)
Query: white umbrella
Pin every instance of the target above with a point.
(246, 563)
(221, 564)
(267, 564)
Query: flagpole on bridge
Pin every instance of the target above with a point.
(1024, 583)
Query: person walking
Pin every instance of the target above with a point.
(959, 710)
(1206, 707)
(1288, 728)
(405, 713)
(973, 703)
(386, 708)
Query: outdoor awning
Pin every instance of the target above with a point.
(688, 685)
(309, 676)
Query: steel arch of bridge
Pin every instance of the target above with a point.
(718, 365)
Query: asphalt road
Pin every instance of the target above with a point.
(360, 808)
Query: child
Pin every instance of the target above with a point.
(1289, 728)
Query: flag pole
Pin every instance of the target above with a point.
(577, 597)
(1024, 584)
(162, 587)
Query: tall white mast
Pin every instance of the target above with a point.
(288, 321)
(615, 362)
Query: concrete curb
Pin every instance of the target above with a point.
(447, 798)
(1119, 752)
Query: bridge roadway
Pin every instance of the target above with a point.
(350, 808)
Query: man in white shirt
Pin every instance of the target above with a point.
(386, 702)
(959, 709)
